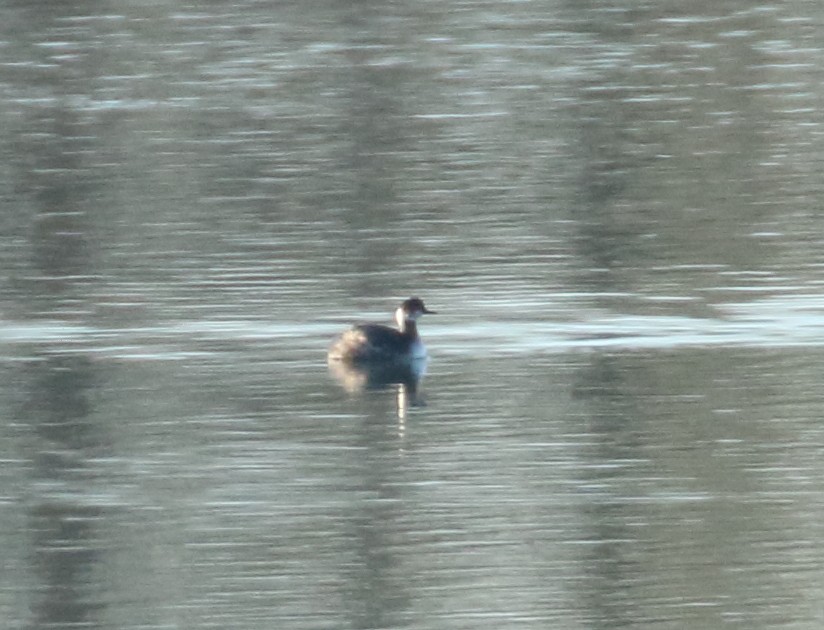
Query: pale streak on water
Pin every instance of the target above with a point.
(781, 322)
(615, 207)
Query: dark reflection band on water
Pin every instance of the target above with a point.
(613, 527)
(63, 519)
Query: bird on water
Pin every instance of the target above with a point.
(375, 343)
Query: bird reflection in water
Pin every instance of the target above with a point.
(373, 356)
(361, 377)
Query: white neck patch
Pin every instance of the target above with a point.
(401, 317)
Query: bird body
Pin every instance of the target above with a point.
(377, 343)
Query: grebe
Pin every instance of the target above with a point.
(374, 343)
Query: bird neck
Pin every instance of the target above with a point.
(408, 327)
(406, 324)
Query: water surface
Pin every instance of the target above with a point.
(613, 206)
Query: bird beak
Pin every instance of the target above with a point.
(428, 312)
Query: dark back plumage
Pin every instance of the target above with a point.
(371, 342)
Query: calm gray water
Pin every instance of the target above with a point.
(615, 207)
